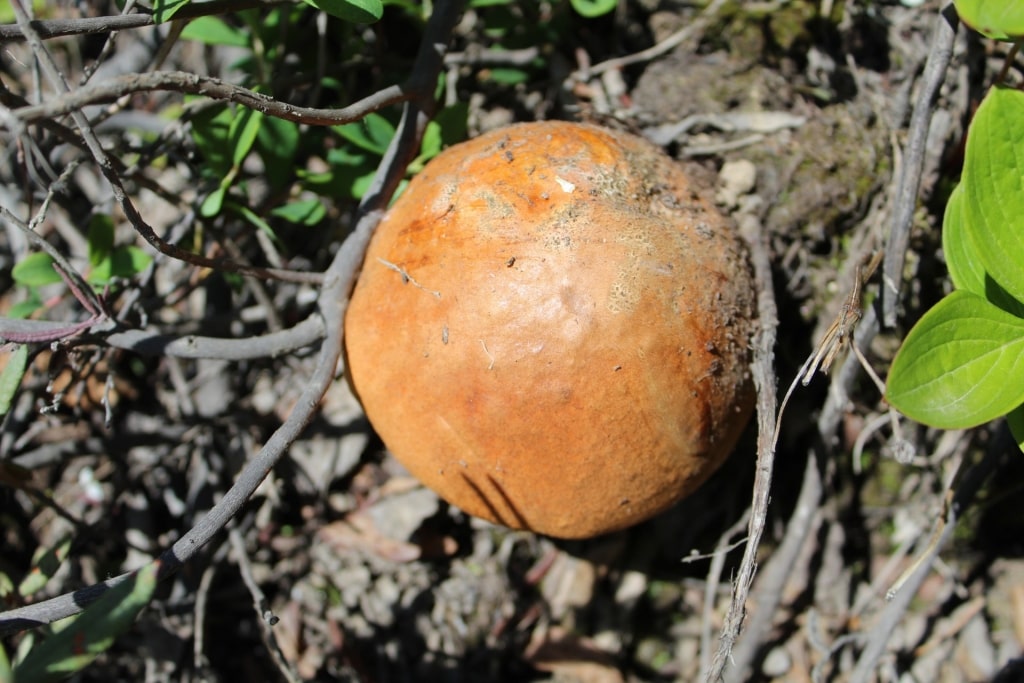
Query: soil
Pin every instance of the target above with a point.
(799, 120)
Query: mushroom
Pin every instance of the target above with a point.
(551, 329)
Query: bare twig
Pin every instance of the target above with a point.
(776, 572)
(913, 161)
(765, 380)
(271, 345)
(214, 88)
(266, 616)
(333, 301)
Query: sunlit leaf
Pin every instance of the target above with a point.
(993, 182)
(965, 262)
(960, 366)
(998, 19)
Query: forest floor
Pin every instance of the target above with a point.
(112, 454)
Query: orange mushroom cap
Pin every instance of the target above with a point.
(551, 329)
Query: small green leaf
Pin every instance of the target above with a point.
(129, 261)
(960, 365)
(593, 8)
(256, 220)
(242, 133)
(35, 270)
(302, 212)
(213, 203)
(215, 31)
(45, 564)
(993, 181)
(100, 238)
(91, 632)
(356, 11)
(997, 19)
(372, 133)
(506, 76)
(10, 377)
(163, 10)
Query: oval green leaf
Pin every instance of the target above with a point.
(593, 8)
(35, 270)
(961, 365)
(997, 19)
(965, 263)
(962, 259)
(993, 182)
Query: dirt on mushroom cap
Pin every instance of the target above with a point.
(551, 329)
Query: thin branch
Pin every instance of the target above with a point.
(61, 28)
(271, 345)
(767, 401)
(333, 302)
(777, 571)
(913, 161)
(181, 81)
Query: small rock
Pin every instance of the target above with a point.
(777, 663)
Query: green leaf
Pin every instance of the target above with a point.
(45, 564)
(10, 377)
(960, 365)
(163, 10)
(35, 270)
(277, 143)
(507, 76)
(242, 133)
(997, 19)
(302, 212)
(100, 238)
(91, 632)
(256, 220)
(210, 132)
(965, 262)
(356, 11)
(372, 133)
(129, 261)
(215, 31)
(593, 8)
(993, 181)
(962, 259)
